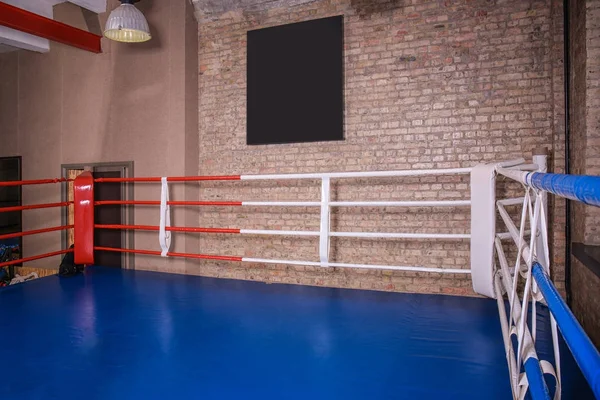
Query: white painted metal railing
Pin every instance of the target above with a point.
(325, 234)
(531, 240)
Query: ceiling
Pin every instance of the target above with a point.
(11, 39)
(5, 48)
(97, 6)
(212, 9)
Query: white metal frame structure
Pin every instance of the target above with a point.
(525, 280)
(531, 240)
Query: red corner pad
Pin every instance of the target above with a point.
(84, 218)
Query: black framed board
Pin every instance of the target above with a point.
(295, 82)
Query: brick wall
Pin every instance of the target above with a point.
(592, 109)
(428, 84)
(557, 205)
(585, 152)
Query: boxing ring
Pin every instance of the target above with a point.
(112, 333)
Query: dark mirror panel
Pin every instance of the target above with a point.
(295, 83)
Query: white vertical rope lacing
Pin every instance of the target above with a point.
(521, 351)
(547, 367)
(164, 236)
(325, 221)
(533, 213)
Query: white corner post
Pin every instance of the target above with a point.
(483, 228)
(324, 231)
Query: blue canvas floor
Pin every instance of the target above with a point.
(118, 334)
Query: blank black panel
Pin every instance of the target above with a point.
(295, 83)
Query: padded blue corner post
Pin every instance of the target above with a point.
(582, 188)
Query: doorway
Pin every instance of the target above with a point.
(10, 222)
(107, 214)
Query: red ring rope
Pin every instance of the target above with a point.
(171, 203)
(168, 228)
(35, 206)
(170, 254)
(35, 232)
(173, 179)
(45, 255)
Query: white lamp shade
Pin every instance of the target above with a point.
(127, 24)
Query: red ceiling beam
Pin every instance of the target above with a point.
(25, 21)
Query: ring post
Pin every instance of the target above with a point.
(83, 193)
(483, 228)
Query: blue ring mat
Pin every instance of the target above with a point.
(123, 334)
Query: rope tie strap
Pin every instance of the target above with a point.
(164, 236)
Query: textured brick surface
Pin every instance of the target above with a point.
(585, 152)
(428, 84)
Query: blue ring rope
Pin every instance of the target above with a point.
(535, 377)
(583, 188)
(579, 343)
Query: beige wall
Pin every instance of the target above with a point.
(130, 103)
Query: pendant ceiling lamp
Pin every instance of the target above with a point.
(127, 24)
